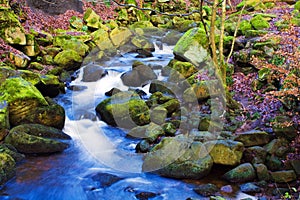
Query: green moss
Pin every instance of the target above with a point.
(259, 22)
(245, 25)
(7, 167)
(297, 5)
(16, 89)
(68, 58)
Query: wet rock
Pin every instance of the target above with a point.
(255, 154)
(68, 59)
(138, 76)
(253, 138)
(36, 138)
(178, 157)
(227, 189)
(124, 109)
(12, 151)
(158, 115)
(105, 179)
(242, 173)
(192, 46)
(262, 172)
(250, 188)
(7, 167)
(169, 129)
(93, 72)
(145, 195)
(284, 176)
(143, 146)
(50, 86)
(164, 87)
(112, 92)
(172, 105)
(225, 152)
(206, 190)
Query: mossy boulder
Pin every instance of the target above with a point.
(253, 138)
(202, 90)
(180, 70)
(192, 47)
(262, 172)
(141, 42)
(245, 25)
(178, 157)
(91, 18)
(102, 40)
(4, 119)
(255, 155)
(183, 25)
(124, 109)
(225, 152)
(259, 23)
(71, 43)
(11, 29)
(36, 138)
(68, 59)
(7, 167)
(120, 36)
(242, 173)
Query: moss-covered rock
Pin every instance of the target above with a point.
(124, 109)
(141, 24)
(192, 46)
(183, 25)
(225, 152)
(283, 176)
(7, 167)
(178, 157)
(242, 173)
(4, 119)
(11, 29)
(259, 22)
(255, 155)
(71, 43)
(245, 25)
(120, 35)
(262, 172)
(68, 59)
(91, 18)
(203, 90)
(283, 128)
(181, 70)
(141, 42)
(253, 138)
(102, 40)
(36, 138)
(12, 151)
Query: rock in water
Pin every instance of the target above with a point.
(36, 138)
(93, 72)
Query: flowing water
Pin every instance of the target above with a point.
(101, 162)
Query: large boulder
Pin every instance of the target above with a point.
(179, 157)
(102, 40)
(192, 47)
(69, 43)
(120, 36)
(68, 59)
(225, 152)
(124, 109)
(12, 31)
(7, 167)
(27, 105)
(180, 70)
(36, 138)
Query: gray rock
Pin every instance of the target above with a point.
(242, 173)
(253, 138)
(250, 188)
(206, 190)
(93, 72)
(284, 176)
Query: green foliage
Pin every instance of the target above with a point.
(259, 22)
(277, 60)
